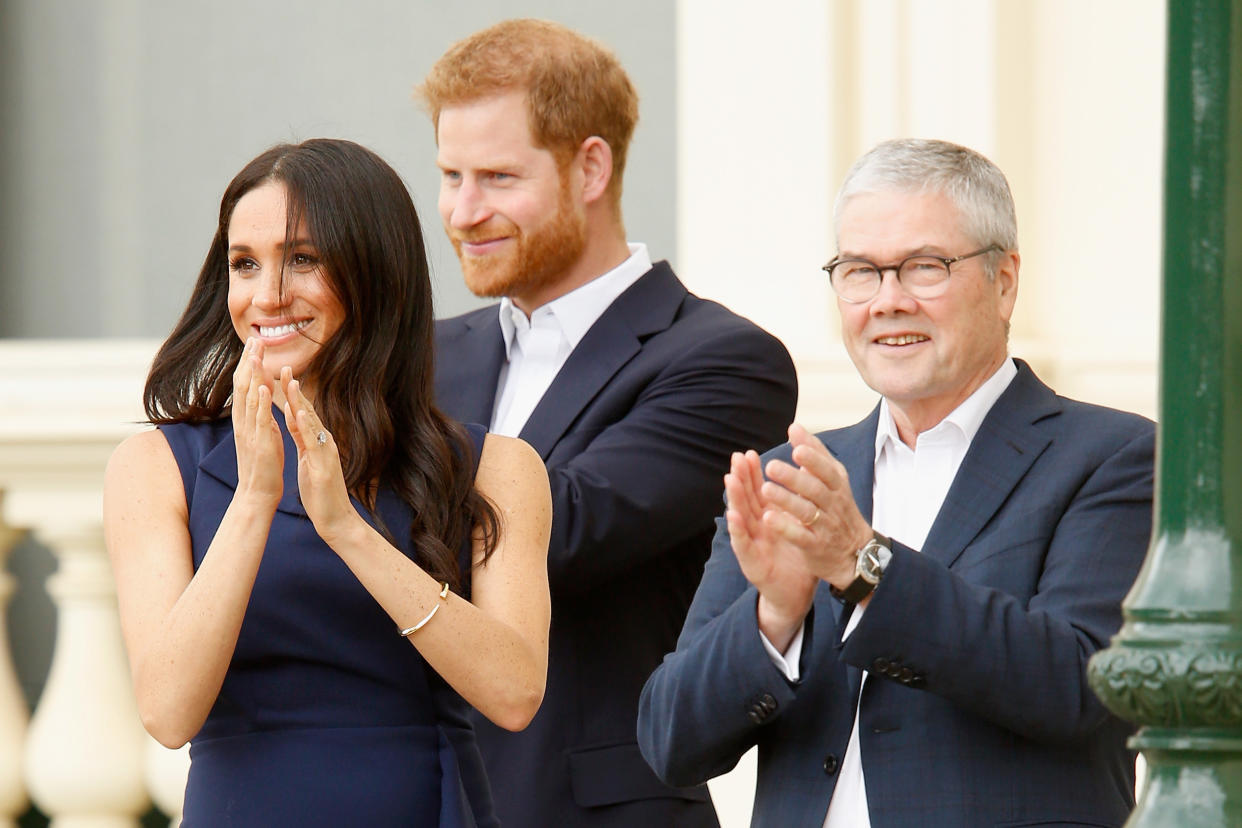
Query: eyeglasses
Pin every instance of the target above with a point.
(922, 276)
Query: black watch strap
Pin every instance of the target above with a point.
(861, 587)
(858, 589)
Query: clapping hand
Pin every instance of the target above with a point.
(769, 561)
(260, 449)
(321, 482)
(810, 504)
(791, 531)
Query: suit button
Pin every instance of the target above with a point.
(919, 680)
(905, 675)
(880, 665)
(894, 670)
(830, 764)
(767, 703)
(755, 716)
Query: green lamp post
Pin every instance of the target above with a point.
(1175, 668)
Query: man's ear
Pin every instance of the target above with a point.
(595, 161)
(1007, 279)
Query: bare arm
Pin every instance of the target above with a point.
(180, 626)
(493, 651)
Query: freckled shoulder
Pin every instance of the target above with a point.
(509, 461)
(146, 454)
(512, 475)
(143, 483)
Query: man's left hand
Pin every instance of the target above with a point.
(810, 504)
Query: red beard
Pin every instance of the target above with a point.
(538, 259)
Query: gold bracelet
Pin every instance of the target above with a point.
(444, 591)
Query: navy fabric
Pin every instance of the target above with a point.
(976, 711)
(327, 716)
(636, 431)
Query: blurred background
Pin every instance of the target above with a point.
(121, 122)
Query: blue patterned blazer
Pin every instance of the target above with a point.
(976, 711)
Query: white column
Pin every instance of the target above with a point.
(753, 147)
(949, 48)
(878, 45)
(13, 715)
(166, 774)
(64, 406)
(1092, 266)
(86, 748)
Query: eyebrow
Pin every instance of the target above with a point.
(922, 250)
(495, 165)
(245, 248)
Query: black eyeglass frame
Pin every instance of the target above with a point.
(947, 261)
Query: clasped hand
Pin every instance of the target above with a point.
(791, 531)
(260, 449)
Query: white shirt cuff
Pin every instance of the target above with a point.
(787, 663)
(855, 617)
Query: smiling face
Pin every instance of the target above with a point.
(507, 205)
(292, 319)
(926, 356)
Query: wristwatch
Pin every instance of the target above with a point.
(873, 559)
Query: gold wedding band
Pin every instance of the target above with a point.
(809, 523)
(322, 438)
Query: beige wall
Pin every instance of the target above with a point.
(1066, 96)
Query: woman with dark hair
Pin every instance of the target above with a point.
(316, 570)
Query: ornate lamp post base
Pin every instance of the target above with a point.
(1175, 668)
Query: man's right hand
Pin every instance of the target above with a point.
(776, 567)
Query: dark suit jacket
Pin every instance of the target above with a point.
(977, 710)
(636, 431)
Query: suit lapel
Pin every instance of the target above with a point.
(646, 307)
(1007, 444)
(468, 367)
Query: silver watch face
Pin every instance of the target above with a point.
(872, 560)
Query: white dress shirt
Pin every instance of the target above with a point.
(909, 488)
(538, 347)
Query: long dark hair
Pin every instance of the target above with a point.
(374, 376)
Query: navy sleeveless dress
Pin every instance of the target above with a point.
(327, 717)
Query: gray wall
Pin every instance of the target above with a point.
(121, 122)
